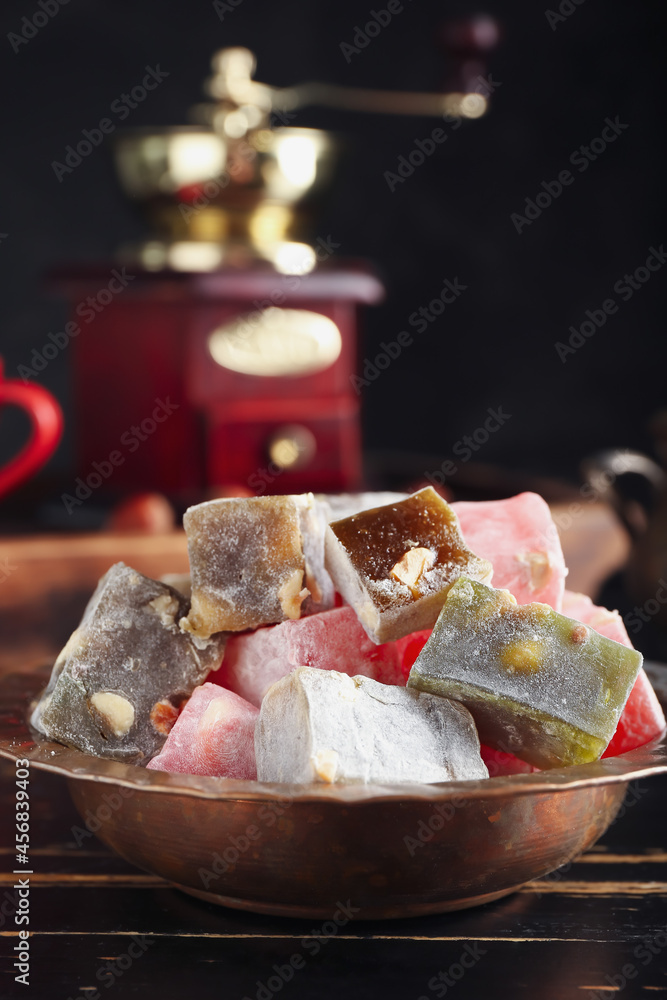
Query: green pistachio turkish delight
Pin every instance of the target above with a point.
(538, 684)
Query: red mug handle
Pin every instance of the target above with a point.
(47, 427)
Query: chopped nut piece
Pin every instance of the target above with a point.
(325, 763)
(539, 567)
(163, 716)
(291, 595)
(116, 711)
(578, 634)
(313, 586)
(526, 657)
(408, 569)
(166, 606)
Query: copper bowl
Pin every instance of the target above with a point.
(295, 850)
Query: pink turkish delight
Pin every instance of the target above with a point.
(409, 648)
(498, 762)
(606, 622)
(332, 640)
(214, 735)
(642, 719)
(519, 537)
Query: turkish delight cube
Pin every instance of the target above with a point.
(214, 735)
(118, 684)
(520, 539)
(340, 505)
(539, 685)
(325, 726)
(395, 564)
(333, 640)
(642, 719)
(255, 561)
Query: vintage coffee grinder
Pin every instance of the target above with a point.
(232, 343)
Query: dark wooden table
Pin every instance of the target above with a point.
(100, 927)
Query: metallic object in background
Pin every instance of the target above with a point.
(241, 189)
(236, 199)
(233, 314)
(636, 487)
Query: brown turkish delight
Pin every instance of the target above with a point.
(394, 564)
(118, 684)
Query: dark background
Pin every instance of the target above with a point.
(495, 346)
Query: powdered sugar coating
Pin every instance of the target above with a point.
(332, 640)
(322, 725)
(127, 645)
(250, 565)
(529, 654)
(364, 552)
(642, 718)
(519, 537)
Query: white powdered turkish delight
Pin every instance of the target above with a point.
(325, 726)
